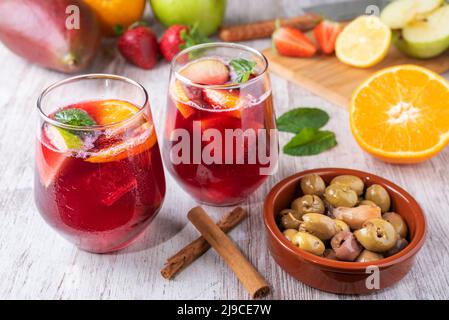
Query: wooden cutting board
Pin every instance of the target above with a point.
(327, 77)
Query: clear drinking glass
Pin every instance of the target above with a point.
(99, 177)
(220, 140)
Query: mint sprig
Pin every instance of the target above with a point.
(75, 117)
(243, 69)
(305, 123)
(310, 142)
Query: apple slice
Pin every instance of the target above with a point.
(49, 161)
(206, 71)
(400, 13)
(428, 38)
(61, 139)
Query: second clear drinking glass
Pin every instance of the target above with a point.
(220, 142)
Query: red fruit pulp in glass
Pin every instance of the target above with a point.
(218, 184)
(104, 205)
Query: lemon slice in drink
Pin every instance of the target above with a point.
(364, 42)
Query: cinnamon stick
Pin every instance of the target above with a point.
(244, 270)
(264, 29)
(197, 248)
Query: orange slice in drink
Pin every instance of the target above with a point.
(144, 139)
(181, 100)
(401, 114)
(112, 111)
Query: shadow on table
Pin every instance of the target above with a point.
(162, 229)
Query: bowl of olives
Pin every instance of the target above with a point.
(342, 230)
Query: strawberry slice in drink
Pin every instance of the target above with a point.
(224, 99)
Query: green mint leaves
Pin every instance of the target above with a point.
(75, 117)
(310, 142)
(297, 119)
(243, 69)
(192, 36)
(305, 123)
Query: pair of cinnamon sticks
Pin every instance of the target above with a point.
(215, 235)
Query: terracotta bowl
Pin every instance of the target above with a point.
(338, 276)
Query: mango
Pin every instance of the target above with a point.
(61, 35)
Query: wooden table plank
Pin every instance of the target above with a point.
(37, 263)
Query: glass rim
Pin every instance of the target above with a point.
(90, 76)
(219, 44)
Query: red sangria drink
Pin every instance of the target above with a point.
(99, 176)
(220, 140)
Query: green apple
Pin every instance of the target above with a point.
(207, 13)
(398, 14)
(426, 38)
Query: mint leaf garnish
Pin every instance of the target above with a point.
(243, 69)
(296, 120)
(309, 142)
(75, 117)
(305, 123)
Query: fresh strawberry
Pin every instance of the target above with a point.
(138, 45)
(292, 42)
(179, 37)
(206, 71)
(326, 34)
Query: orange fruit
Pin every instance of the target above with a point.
(401, 114)
(113, 13)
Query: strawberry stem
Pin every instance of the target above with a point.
(118, 30)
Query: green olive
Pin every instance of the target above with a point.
(308, 204)
(293, 212)
(288, 220)
(352, 182)
(341, 225)
(312, 184)
(368, 256)
(367, 203)
(398, 223)
(319, 225)
(289, 233)
(308, 242)
(340, 196)
(399, 246)
(377, 235)
(377, 194)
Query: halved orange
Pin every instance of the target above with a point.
(401, 114)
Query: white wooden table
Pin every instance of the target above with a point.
(35, 262)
